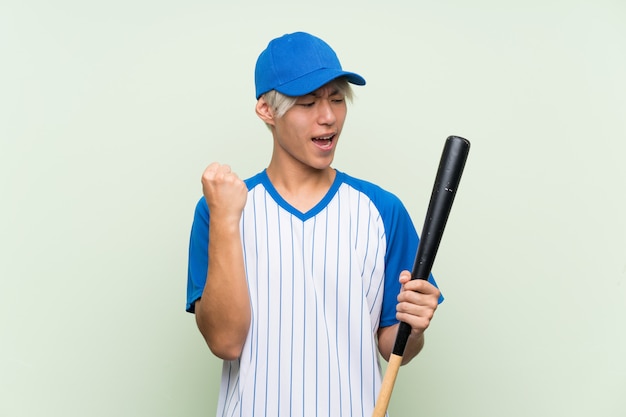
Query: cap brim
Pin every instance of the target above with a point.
(312, 81)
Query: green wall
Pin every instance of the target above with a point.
(109, 112)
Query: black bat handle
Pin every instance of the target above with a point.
(448, 177)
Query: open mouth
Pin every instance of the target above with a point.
(324, 142)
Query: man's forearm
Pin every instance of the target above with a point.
(414, 345)
(223, 312)
(387, 339)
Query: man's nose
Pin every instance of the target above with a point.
(326, 113)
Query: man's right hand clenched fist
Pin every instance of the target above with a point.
(224, 192)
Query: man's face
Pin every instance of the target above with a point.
(308, 133)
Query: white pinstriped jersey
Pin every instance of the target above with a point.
(321, 283)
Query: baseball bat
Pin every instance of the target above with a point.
(447, 180)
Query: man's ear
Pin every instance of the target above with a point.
(264, 111)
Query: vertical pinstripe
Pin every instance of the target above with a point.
(316, 282)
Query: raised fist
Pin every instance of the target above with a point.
(224, 192)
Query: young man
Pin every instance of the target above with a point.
(299, 275)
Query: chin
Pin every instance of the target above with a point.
(322, 166)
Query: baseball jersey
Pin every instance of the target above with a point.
(321, 283)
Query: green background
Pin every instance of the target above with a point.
(110, 111)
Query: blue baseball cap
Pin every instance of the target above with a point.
(297, 64)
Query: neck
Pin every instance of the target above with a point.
(303, 189)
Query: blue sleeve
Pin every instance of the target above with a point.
(402, 242)
(198, 254)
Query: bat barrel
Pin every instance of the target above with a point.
(447, 180)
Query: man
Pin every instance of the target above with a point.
(299, 275)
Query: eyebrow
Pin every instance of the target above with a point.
(315, 94)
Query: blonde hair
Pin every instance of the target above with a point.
(281, 103)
